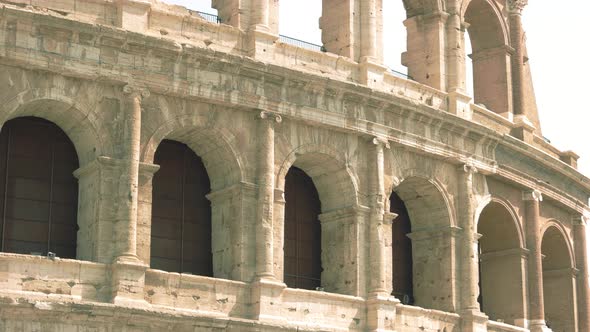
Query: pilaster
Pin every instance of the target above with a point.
(425, 56)
(343, 231)
(233, 216)
(434, 254)
(144, 210)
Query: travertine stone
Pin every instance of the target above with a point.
(87, 65)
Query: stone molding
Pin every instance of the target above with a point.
(231, 191)
(347, 213)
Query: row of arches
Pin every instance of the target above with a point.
(486, 48)
(39, 205)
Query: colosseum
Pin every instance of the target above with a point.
(166, 170)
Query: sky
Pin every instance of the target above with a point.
(558, 41)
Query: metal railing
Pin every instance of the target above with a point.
(301, 43)
(400, 74)
(209, 17)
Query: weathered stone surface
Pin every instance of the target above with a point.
(121, 76)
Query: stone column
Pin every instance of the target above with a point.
(472, 318)
(128, 272)
(535, 268)
(266, 289)
(468, 244)
(265, 204)
(380, 304)
(515, 8)
(126, 224)
(581, 251)
(377, 254)
(369, 41)
(259, 14)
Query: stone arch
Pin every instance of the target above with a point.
(423, 193)
(491, 55)
(336, 185)
(502, 262)
(566, 252)
(215, 145)
(74, 116)
(559, 278)
(432, 233)
(421, 7)
(217, 148)
(336, 182)
(79, 121)
(510, 209)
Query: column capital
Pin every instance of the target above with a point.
(273, 117)
(516, 6)
(533, 195)
(379, 141)
(134, 90)
(581, 219)
(468, 168)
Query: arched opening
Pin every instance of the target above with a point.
(39, 193)
(181, 214)
(431, 244)
(302, 230)
(558, 282)
(490, 57)
(394, 37)
(501, 266)
(401, 244)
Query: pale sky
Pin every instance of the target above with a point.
(558, 43)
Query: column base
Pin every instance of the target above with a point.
(371, 71)
(459, 104)
(127, 284)
(473, 320)
(381, 312)
(259, 42)
(265, 296)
